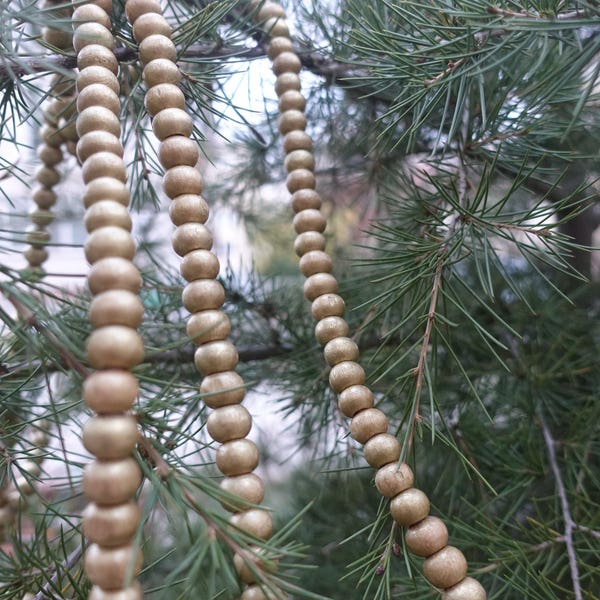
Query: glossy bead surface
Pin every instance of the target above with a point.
(178, 150)
(315, 261)
(182, 180)
(367, 423)
(149, 24)
(222, 389)
(309, 220)
(110, 391)
(104, 164)
(159, 71)
(98, 118)
(97, 94)
(208, 326)
(114, 273)
(249, 488)
(340, 349)
(427, 537)
(110, 568)
(330, 327)
(191, 236)
(270, 10)
(286, 82)
(255, 521)
(92, 33)
(277, 45)
(409, 507)
(115, 347)
(157, 46)
(110, 437)
(109, 242)
(134, 592)
(111, 482)
(89, 12)
(203, 294)
(136, 8)
(319, 284)
(328, 305)
(297, 140)
(199, 264)
(116, 307)
(96, 55)
(47, 176)
(49, 156)
(276, 27)
(107, 213)
(345, 374)
(392, 479)
(309, 240)
(299, 159)
(35, 256)
(467, 589)
(445, 568)
(254, 592)
(105, 188)
(291, 120)
(382, 449)
(172, 121)
(97, 75)
(300, 179)
(111, 525)
(291, 100)
(228, 423)
(98, 141)
(163, 95)
(306, 199)
(216, 357)
(286, 62)
(237, 457)
(189, 208)
(354, 399)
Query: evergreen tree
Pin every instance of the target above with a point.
(457, 148)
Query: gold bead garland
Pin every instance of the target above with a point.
(112, 560)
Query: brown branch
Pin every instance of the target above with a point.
(69, 562)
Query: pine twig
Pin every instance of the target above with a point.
(66, 565)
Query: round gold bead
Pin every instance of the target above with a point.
(286, 82)
(107, 213)
(409, 507)
(276, 27)
(111, 525)
(340, 349)
(115, 347)
(92, 33)
(48, 155)
(191, 236)
(254, 592)
(110, 391)
(134, 592)
(41, 218)
(306, 199)
(208, 326)
(292, 100)
(199, 264)
(35, 256)
(157, 46)
(116, 307)
(309, 240)
(427, 537)
(391, 480)
(368, 423)
(270, 10)
(111, 568)
(299, 159)
(319, 284)
(249, 488)
(328, 305)
(97, 55)
(69, 132)
(216, 357)
(114, 273)
(163, 95)
(178, 150)
(256, 521)
(291, 120)
(98, 118)
(237, 457)
(382, 449)
(38, 237)
(203, 294)
(189, 208)
(90, 12)
(98, 94)
(160, 71)
(277, 45)
(286, 62)
(72, 147)
(172, 121)
(110, 482)
(315, 261)
(97, 75)
(51, 136)
(330, 327)
(182, 180)
(345, 374)
(228, 423)
(47, 176)
(110, 437)
(445, 568)
(149, 24)
(58, 38)
(309, 219)
(222, 389)
(104, 164)
(109, 242)
(98, 141)
(134, 9)
(355, 398)
(467, 589)
(105, 188)
(300, 179)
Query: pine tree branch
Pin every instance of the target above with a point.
(69, 562)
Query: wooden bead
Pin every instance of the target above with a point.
(97, 75)
(159, 71)
(163, 95)
(111, 568)
(90, 12)
(41, 218)
(110, 437)
(467, 589)
(47, 176)
(98, 141)
(133, 592)
(367, 424)
(191, 236)
(203, 294)
(182, 180)
(300, 179)
(104, 164)
(276, 27)
(445, 568)
(291, 120)
(199, 264)
(328, 305)
(249, 488)
(392, 479)
(329, 328)
(134, 9)
(109, 242)
(116, 307)
(115, 347)
(51, 136)
(286, 62)
(216, 357)
(409, 507)
(208, 326)
(178, 150)
(340, 349)
(309, 219)
(111, 525)
(299, 159)
(286, 82)
(35, 256)
(38, 238)
(277, 45)
(97, 55)
(30, 467)
(237, 457)
(114, 273)
(427, 537)
(345, 374)
(107, 213)
(355, 398)
(270, 10)
(309, 240)
(69, 132)
(382, 449)
(98, 118)
(254, 592)
(292, 100)
(92, 33)
(48, 155)
(149, 24)
(57, 38)
(157, 46)
(110, 391)
(229, 423)
(97, 94)
(315, 261)
(256, 521)
(72, 146)
(222, 389)
(112, 481)
(319, 284)
(105, 188)
(172, 121)
(189, 208)
(305, 199)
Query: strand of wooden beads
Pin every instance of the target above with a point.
(445, 566)
(110, 521)
(216, 357)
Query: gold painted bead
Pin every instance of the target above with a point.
(328, 305)
(319, 284)
(299, 159)
(136, 8)
(110, 482)
(178, 150)
(48, 155)
(228, 423)
(409, 507)
(309, 240)
(306, 199)
(237, 457)
(96, 55)
(98, 141)
(107, 213)
(98, 118)
(467, 589)
(292, 100)
(35, 256)
(300, 179)
(199, 264)
(368, 423)
(291, 120)
(47, 176)
(160, 71)
(445, 568)
(355, 398)
(216, 357)
(116, 307)
(309, 219)
(109, 242)
(256, 521)
(382, 449)
(104, 164)
(191, 236)
(111, 391)
(391, 480)
(111, 568)
(182, 180)
(270, 10)
(277, 45)
(172, 121)
(249, 488)
(203, 294)
(92, 33)
(51, 136)
(110, 437)
(208, 326)
(345, 374)
(276, 27)
(340, 349)
(98, 94)
(105, 188)
(163, 95)
(222, 389)
(41, 218)
(427, 537)
(111, 525)
(286, 82)
(90, 12)
(189, 208)
(157, 46)
(330, 327)
(58, 38)
(149, 24)
(133, 592)
(114, 273)
(114, 347)
(315, 261)
(286, 62)
(97, 75)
